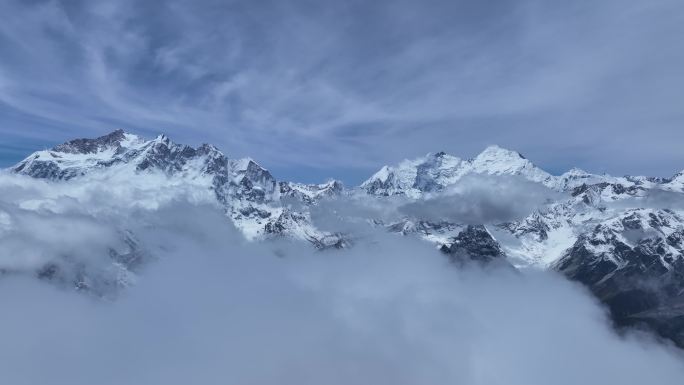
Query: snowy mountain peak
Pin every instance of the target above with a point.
(112, 141)
(163, 139)
(311, 193)
(413, 177)
(495, 160)
(434, 172)
(245, 164)
(441, 158)
(250, 174)
(83, 156)
(382, 175)
(80, 156)
(495, 152)
(248, 192)
(207, 148)
(575, 172)
(576, 177)
(676, 183)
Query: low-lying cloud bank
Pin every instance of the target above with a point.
(478, 199)
(215, 309)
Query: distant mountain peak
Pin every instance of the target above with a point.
(162, 138)
(247, 191)
(497, 152)
(676, 183)
(90, 146)
(495, 160)
(435, 171)
(576, 171)
(247, 163)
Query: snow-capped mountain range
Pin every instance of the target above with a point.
(623, 237)
(435, 172)
(249, 193)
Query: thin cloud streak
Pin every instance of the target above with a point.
(329, 85)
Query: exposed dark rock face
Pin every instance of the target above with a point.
(165, 156)
(421, 227)
(636, 267)
(474, 244)
(91, 146)
(534, 225)
(50, 169)
(382, 187)
(310, 193)
(426, 180)
(254, 183)
(45, 170)
(332, 241)
(591, 194)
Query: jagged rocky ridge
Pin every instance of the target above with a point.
(249, 193)
(633, 263)
(606, 232)
(600, 230)
(474, 244)
(259, 206)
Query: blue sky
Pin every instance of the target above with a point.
(317, 89)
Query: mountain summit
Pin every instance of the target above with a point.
(434, 172)
(249, 193)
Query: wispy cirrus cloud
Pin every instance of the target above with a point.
(329, 85)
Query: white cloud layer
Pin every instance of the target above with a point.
(215, 309)
(478, 199)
